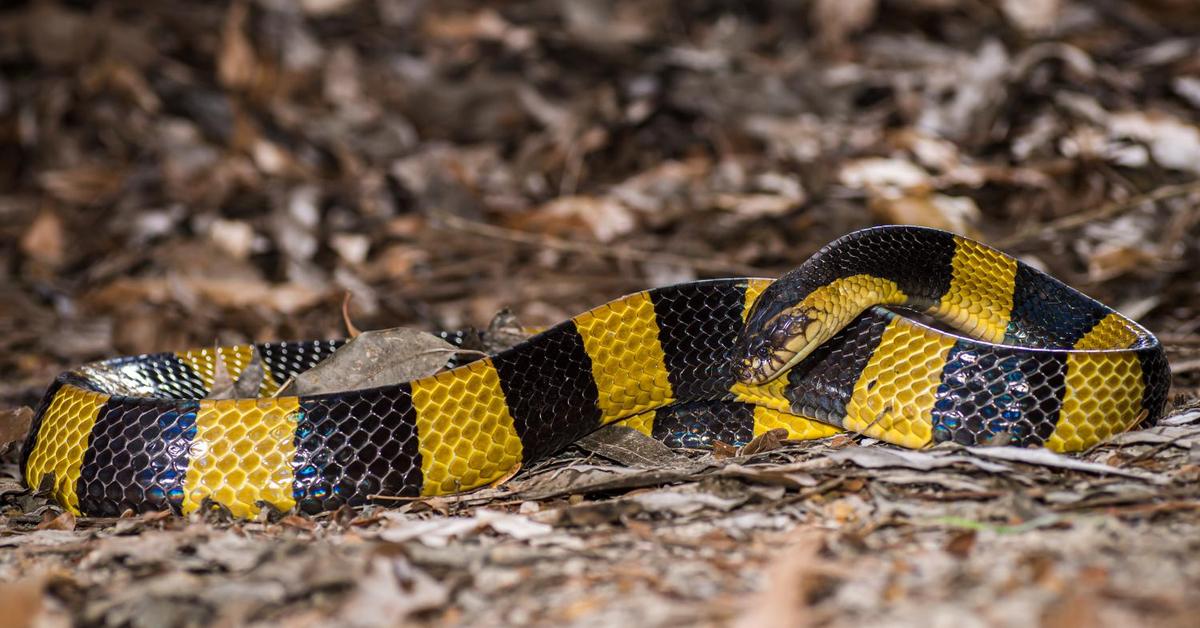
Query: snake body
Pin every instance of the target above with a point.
(814, 353)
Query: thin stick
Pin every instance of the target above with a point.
(351, 328)
(615, 251)
(1185, 366)
(1107, 210)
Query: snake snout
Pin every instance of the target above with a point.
(763, 354)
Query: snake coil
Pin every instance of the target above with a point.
(818, 351)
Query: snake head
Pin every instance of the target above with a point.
(767, 349)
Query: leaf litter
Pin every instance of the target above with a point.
(182, 171)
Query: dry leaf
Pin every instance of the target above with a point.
(14, 425)
(797, 572)
(22, 602)
(1113, 261)
(246, 386)
(629, 447)
(237, 63)
(286, 298)
(63, 521)
(884, 175)
(44, 240)
(375, 358)
(604, 218)
(1173, 143)
(722, 450)
(960, 544)
(298, 523)
(352, 330)
(838, 19)
(767, 441)
(505, 332)
(84, 185)
(1032, 16)
(1047, 458)
(958, 214)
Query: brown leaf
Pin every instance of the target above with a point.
(14, 425)
(960, 544)
(951, 213)
(375, 358)
(722, 450)
(22, 602)
(286, 298)
(237, 63)
(64, 521)
(604, 218)
(44, 240)
(89, 184)
(793, 578)
(504, 332)
(771, 439)
(299, 523)
(59, 37)
(1113, 261)
(508, 475)
(223, 384)
(1032, 16)
(767, 441)
(836, 20)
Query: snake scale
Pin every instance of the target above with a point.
(820, 350)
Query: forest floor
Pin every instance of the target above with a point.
(193, 173)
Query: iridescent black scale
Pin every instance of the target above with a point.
(1048, 313)
(990, 392)
(138, 456)
(350, 446)
(697, 424)
(697, 330)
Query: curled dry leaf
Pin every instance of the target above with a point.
(505, 332)
(247, 384)
(958, 214)
(352, 330)
(767, 441)
(63, 521)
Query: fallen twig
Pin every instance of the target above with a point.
(614, 251)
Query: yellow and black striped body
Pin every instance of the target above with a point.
(1046, 365)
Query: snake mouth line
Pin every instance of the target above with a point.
(757, 371)
(784, 341)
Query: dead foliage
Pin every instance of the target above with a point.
(175, 174)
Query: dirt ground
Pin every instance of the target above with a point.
(176, 174)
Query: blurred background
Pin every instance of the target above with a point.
(174, 174)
